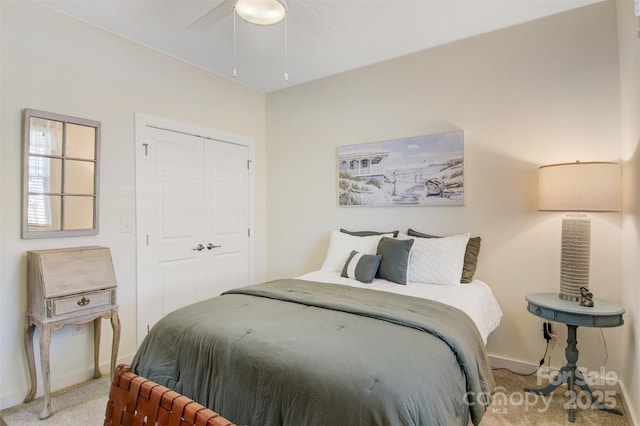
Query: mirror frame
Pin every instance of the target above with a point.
(26, 138)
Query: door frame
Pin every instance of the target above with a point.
(142, 122)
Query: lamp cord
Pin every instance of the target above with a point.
(534, 371)
(606, 351)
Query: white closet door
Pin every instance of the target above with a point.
(192, 221)
(226, 177)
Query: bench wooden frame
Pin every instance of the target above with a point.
(136, 401)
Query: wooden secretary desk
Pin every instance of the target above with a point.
(68, 286)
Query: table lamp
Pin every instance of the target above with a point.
(578, 188)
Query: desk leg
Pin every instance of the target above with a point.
(45, 343)
(115, 324)
(31, 360)
(97, 333)
(573, 377)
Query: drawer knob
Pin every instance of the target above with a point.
(84, 301)
(538, 310)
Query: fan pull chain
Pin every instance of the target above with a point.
(286, 48)
(234, 43)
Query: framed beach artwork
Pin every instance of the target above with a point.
(417, 171)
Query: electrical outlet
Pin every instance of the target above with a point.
(77, 329)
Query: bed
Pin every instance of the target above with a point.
(329, 349)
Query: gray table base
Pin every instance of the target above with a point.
(573, 377)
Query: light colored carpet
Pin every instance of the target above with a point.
(512, 406)
(80, 405)
(84, 405)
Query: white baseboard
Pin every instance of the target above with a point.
(631, 409)
(526, 368)
(60, 382)
(511, 364)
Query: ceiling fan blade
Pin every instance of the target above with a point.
(313, 21)
(213, 16)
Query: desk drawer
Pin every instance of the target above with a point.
(542, 312)
(79, 302)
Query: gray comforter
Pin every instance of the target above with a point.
(295, 352)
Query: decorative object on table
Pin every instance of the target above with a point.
(586, 297)
(605, 314)
(578, 187)
(421, 170)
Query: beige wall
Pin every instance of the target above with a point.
(538, 93)
(54, 63)
(629, 48)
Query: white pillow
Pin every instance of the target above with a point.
(438, 260)
(341, 245)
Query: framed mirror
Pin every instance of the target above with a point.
(60, 175)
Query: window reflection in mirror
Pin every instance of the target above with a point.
(60, 188)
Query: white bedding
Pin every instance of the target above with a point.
(475, 299)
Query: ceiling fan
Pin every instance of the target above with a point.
(262, 12)
(259, 12)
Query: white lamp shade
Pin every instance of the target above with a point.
(261, 12)
(580, 187)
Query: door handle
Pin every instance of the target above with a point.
(199, 247)
(211, 246)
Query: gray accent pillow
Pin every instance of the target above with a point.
(470, 255)
(362, 267)
(395, 259)
(367, 233)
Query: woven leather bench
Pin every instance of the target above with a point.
(136, 401)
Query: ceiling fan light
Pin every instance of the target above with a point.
(261, 12)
